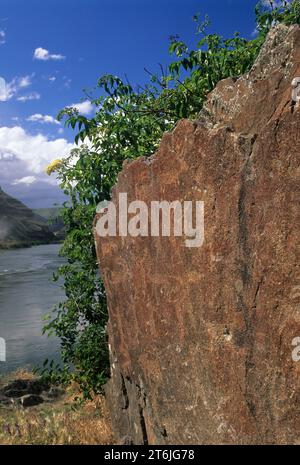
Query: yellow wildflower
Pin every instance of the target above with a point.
(54, 166)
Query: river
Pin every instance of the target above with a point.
(27, 293)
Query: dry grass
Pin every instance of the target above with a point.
(56, 423)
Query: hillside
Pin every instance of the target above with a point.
(48, 213)
(54, 220)
(20, 226)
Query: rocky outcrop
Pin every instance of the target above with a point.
(19, 226)
(28, 393)
(201, 338)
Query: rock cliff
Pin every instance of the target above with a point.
(201, 338)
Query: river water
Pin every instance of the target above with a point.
(26, 295)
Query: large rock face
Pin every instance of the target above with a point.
(201, 338)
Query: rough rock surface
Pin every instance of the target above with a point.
(201, 338)
(31, 400)
(28, 393)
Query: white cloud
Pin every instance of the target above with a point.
(38, 118)
(2, 90)
(67, 83)
(273, 3)
(24, 81)
(25, 180)
(44, 55)
(35, 150)
(31, 96)
(85, 108)
(10, 89)
(2, 37)
(52, 78)
(23, 158)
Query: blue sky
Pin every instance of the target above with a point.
(51, 50)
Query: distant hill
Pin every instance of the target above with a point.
(20, 226)
(53, 219)
(48, 213)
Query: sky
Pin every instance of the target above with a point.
(51, 50)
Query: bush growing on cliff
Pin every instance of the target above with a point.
(129, 122)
